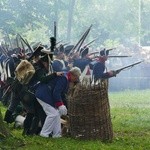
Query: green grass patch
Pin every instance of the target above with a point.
(130, 113)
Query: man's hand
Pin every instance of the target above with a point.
(112, 73)
(59, 73)
(62, 110)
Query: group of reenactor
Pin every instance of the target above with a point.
(35, 82)
(34, 85)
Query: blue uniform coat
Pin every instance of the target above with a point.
(52, 92)
(98, 71)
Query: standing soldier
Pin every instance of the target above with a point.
(59, 63)
(99, 67)
(83, 60)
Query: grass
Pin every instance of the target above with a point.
(130, 111)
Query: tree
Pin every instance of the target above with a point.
(111, 19)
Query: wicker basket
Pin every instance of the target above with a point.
(89, 112)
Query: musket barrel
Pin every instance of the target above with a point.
(118, 70)
(80, 42)
(121, 56)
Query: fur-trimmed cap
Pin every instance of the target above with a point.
(75, 71)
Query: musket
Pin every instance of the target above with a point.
(31, 49)
(97, 52)
(64, 44)
(6, 91)
(22, 38)
(52, 47)
(84, 37)
(129, 66)
(9, 88)
(90, 42)
(53, 41)
(115, 56)
(26, 42)
(61, 45)
(59, 42)
(6, 46)
(55, 30)
(3, 50)
(73, 49)
(80, 42)
(110, 56)
(9, 40)
(17, 41)
(110, 49)
(23, 46)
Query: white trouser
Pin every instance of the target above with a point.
(52, 122)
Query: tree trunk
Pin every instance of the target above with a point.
(70, 19)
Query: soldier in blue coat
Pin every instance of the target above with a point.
(84, 60)
(25, 94)
(99, 67)
(51, 97)
(59, 63)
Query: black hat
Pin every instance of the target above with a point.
(104, 52)
(81, 50)
(37, 52)
(56, 51)
(84, 52)
(15, 58)
(59, 50)
(68, 49)
(53, 43)
(44, 58)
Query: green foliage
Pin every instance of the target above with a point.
(37, 34)
(111, 19)
(111, 43)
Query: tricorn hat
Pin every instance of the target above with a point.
(37, 52)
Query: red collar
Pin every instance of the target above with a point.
(69, 76)
(101, 59)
